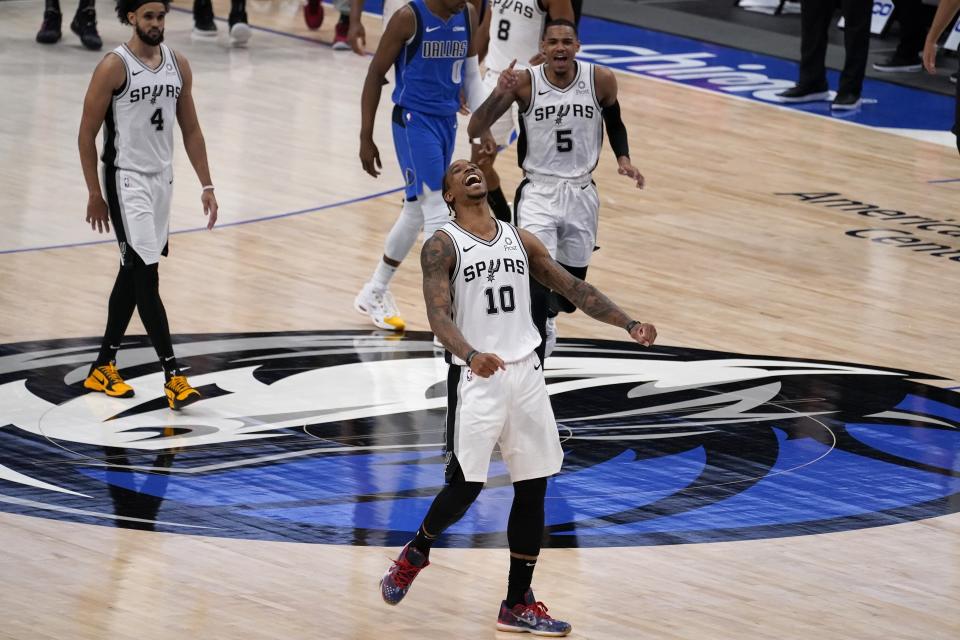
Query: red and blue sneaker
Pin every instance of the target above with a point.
(530, 616)
(398, 578)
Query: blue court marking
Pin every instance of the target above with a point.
(275, 216)
(943, 181)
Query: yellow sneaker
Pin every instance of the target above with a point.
(180, 393)
(107, 379)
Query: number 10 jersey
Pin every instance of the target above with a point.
(490, 288)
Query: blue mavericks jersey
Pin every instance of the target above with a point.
(430, 68)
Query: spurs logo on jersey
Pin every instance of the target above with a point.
(561, 131)
(138, 131)
(491, 292)
(516, 27)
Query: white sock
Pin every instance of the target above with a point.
(382, 276)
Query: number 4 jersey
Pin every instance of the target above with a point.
(490, 287)
(138, 128)
(561, 131)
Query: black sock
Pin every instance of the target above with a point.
(521, 575)
(345, 18)
(423, 542)
(499, 204)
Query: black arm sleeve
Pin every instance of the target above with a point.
(616, 130)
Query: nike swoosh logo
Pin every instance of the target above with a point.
(543, 93)
(468, 248)
(136, 72)
(537, 367)
(431, 29)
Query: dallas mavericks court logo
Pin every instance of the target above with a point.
(336, 437)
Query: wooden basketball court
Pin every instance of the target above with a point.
(709, 252)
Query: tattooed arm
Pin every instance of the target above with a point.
(512, 86)
(437, 259)
(584, 295)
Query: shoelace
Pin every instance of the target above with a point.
(111, 374)
(540, 610)
(178, 384)
(405, 574)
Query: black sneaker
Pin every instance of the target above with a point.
(50, 29)
(85, 26)
(804, 94)
(846, 101)
(203, 23)
(239, 29)
(895, 64)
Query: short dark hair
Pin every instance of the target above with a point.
(444, 188)
(560, 22)
(130, 6)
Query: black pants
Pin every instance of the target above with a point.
(915, 18)
(816, 16)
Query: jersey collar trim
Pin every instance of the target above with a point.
(488, 243)
(163, 59)
(543, 74)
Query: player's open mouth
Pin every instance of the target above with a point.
(472, 179)
(560, 57)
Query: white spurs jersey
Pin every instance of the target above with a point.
(138, 128)
(516, 27)
(490, 286)
(561, 131)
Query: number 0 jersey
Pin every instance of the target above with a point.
(138, 128)
(490, 286)
(516, 27)
(561, 131)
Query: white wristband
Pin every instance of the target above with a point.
(208, 187)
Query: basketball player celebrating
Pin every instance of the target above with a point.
(430, 43)
(511, 30)
(564, 105)
(138, 89)
(476, 284)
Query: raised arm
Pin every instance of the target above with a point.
(402, 27)
(584, 295)
(606, 83)
(437, 260)
(109, 76)
(512, 87)
(193, 141)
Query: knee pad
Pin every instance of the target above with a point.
(436, 213)
(404, 232)
(530, 492)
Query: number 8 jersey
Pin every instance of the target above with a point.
(138, 128)
(561, 131)
(490, 287)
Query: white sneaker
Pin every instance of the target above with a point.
(551, 341)
(240, 34)
(381, 308)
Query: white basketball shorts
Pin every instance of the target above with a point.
(510, 408)
(139, 205)
(563, 214)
